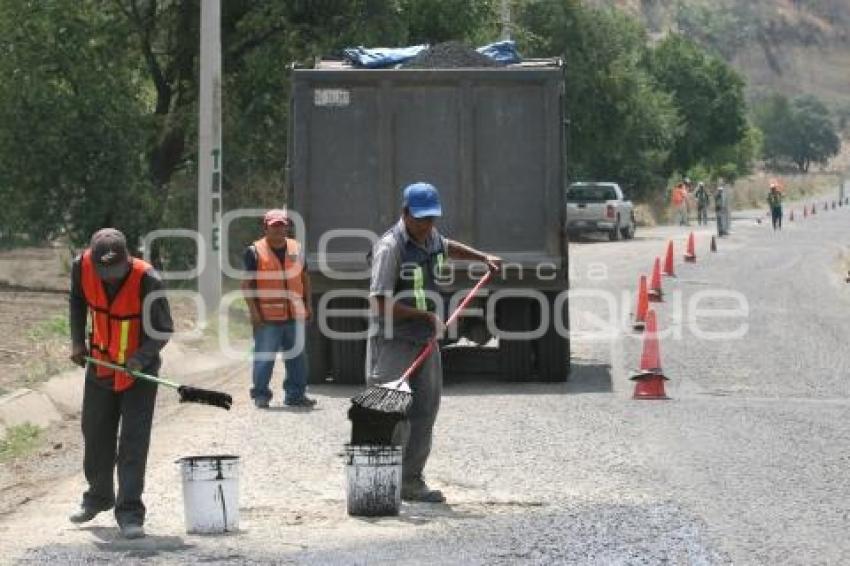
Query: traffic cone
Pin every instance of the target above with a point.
(690, 253)
(642, 305)
(714, 244)
(649, 380)
(655, 293)
(668, 261)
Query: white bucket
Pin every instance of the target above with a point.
(210, 493)
(374, 479)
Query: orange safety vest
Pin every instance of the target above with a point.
(115, 326)
(679, 194)
(280, 290)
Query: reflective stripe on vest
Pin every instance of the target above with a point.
(122, 348)
(418, 269)
(419, 289)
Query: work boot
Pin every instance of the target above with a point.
(132, 530)
(83, 514)
(302, 402)
(418, 490)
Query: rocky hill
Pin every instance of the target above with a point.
(790, 46)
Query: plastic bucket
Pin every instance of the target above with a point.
(210, 493)
(374, 479)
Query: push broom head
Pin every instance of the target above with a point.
(375, 413)
(392, 398)
(205, 397)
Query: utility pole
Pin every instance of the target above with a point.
(506, 19)
(209, 155)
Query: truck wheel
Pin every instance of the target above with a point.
(553, 350)
(629, 232)
(515, 355)
(614, 234)
(348, 357)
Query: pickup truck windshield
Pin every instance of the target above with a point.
(591, 193)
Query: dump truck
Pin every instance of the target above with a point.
(492, 140)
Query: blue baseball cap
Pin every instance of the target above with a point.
(422, 200)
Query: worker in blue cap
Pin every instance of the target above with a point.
(405, 265)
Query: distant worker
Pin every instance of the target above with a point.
(278, 298)
(128, 326)
(721, 209)
(702, 204)
(774, 200)
(679, 201)
(689, 191)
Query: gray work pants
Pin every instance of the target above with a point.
(386, 360)
(104, 413)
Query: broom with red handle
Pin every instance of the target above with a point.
(395, 397)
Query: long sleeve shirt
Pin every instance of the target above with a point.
(157, 317)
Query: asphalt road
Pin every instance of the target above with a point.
(746, 464)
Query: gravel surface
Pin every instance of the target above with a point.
(747, 464)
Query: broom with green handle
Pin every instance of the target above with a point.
(187, 393)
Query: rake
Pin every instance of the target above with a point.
(188, 394)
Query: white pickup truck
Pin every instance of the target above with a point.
(599, 207)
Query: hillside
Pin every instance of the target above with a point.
(791, 46)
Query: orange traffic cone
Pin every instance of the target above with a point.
(655, 294)
(642, 305)
(649, 380)
(714, 244)
(690, 253)
(668, 261)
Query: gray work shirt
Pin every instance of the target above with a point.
(387, 264)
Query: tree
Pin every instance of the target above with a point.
(621, 126)
(708, 94)
(72, 108)
(799, 131)
(99, 100)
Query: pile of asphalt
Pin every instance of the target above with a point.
(450, 55)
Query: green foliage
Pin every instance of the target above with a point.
(99, 101)
(708, 94)
(56, 327)
(799, 131)
(70, 157)
(726, 28)
(732, 161)
(621, 126)
(19, 440)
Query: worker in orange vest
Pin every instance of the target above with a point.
(130, 321)
(277, 292)
(679, 201)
